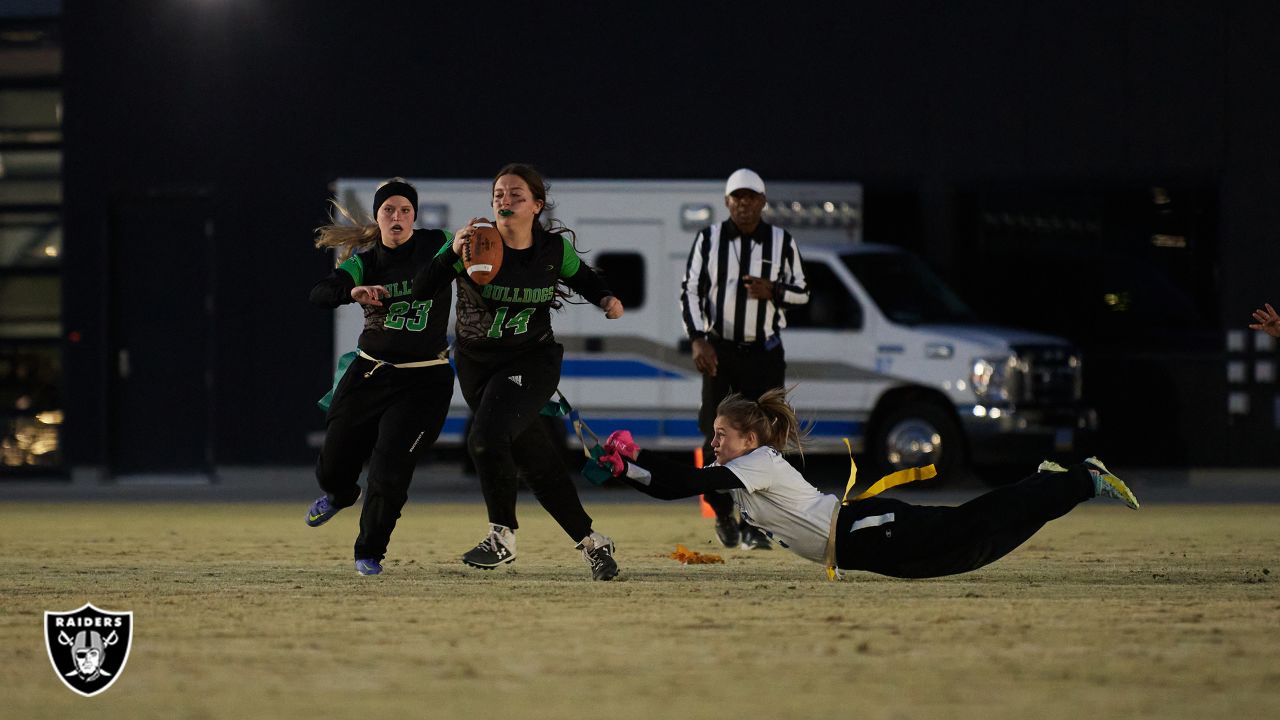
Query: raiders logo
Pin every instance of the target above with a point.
(88, 647)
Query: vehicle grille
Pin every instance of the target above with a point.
(1046, 375)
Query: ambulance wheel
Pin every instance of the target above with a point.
(916, 434)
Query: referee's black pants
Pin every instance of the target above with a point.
(388, 419)
(508, 442)
(918, 541)
(747, 368)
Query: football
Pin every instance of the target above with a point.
(482, 255)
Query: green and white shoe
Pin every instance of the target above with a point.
(1050, 466)
(1107, 485)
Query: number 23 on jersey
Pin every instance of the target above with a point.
(398, 319)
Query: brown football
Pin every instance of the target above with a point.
(482, 255)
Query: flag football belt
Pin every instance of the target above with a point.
(901, 477)
(591, 470)
(345, 361)
(440, 359)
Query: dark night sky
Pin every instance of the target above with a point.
(262, 104)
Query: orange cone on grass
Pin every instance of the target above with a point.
(707, 511)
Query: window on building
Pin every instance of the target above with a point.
(31, 377)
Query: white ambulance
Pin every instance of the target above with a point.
(884, 354)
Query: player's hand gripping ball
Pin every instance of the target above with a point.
(482, 254)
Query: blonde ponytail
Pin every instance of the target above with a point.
(771, 418)
(348, 239)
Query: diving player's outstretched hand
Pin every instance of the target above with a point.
(622, 443)
(612, 307)
(618, 448)
(369, 294)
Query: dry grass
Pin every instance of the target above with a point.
(243, 612)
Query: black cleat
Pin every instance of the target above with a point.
(753, 538)
(727, 531)
(497, 548)
(597, 550)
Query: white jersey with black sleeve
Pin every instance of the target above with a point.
(778, 500)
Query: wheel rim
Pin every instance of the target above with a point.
(913, 443)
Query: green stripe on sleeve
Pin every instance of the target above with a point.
(354, 267)
(569, 263)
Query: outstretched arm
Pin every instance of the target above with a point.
(584, 280)
(659, 477)
(664, 479)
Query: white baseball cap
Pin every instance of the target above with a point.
(743, 178)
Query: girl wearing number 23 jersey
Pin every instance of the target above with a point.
(508, 365)
(391, 400)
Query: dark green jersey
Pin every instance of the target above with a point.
(513, 311)
(404, 328)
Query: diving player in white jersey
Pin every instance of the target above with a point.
(876, 534)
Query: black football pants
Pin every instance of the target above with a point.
(894, 538)
(388, 419)
(508, 440)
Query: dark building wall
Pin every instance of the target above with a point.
(253, 108)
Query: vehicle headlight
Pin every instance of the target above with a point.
(991, 378)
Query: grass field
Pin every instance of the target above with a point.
(241, 611)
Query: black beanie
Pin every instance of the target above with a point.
(392, 188)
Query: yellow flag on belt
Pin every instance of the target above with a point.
(901, 477)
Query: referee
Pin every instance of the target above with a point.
(741, 277)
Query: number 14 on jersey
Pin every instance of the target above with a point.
(520, 321)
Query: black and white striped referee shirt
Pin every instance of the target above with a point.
(713, 300)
